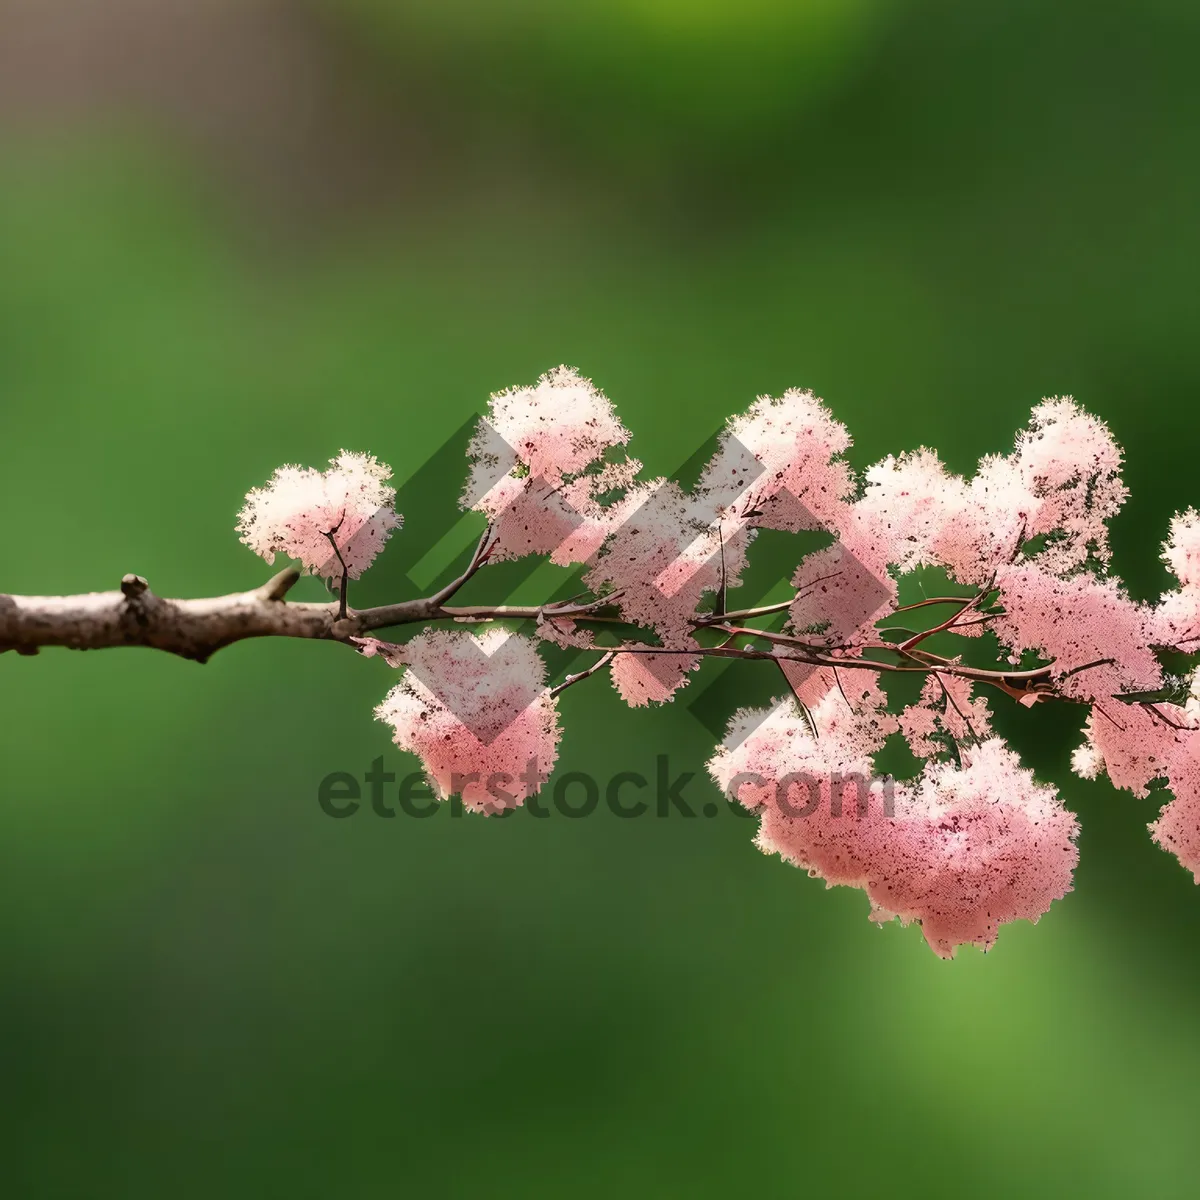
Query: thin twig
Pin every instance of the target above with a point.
(744, 614)
(719, 606)
(949, 623)
(342, 584)
(478, 558)
(598, 665)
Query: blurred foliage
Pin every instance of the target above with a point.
(631, 73)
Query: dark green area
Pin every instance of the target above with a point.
(211, 988)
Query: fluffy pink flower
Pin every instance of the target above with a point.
(300, 506)
(1098, 638)
(977, 846)
(987, 522)
(642, 679)
(478, 714)
(1138, 744)
(1062, 481)
(663, 558)
(852, 716)
(1133, 744)
(909, 502)
(1069, 460)
(779, 464)
(1176, 620)
(962, 851)
(932, 517)
(842, 590)
(926, 516)
(1177, 617)
(538, 468)
(949, 708)
(1177, 829)
(556, 428)
(851, 721)
(913, 513)
(1181, 550)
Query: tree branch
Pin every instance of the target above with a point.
(135, 616)
(197, 629)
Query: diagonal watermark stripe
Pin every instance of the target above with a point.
(842, 586)
(502, 689)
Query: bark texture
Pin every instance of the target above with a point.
(193, 629)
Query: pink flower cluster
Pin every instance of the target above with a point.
(301, 510)
(964, 848)
(477, 712)
(969, 843)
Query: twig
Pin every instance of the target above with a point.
(478, 558)
(598, 665)
(342, 587)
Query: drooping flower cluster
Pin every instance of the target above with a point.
(963, 849)
(970, 842)
(478, 714)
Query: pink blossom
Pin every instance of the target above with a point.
(987, 522)
(779, 465)
(1069, 460)
(976, 846)
(930, 517)
(1086, 761)
(1181, 550)
(300, 507)
(973, 841)
(478, 714)
(910, 501)
(1062, 481)
(842, 590)
(963, 850)
(1177, 829)
(663, 558)
(1133, 744)
(947, 707)
(1176, 620)
(1099, 640)
(556, 428)
(1137, 744)
(852, 716)
(1177, 617)
(642, 679)
(765, 746)
(848, 712)
(538, 468)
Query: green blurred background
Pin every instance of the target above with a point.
(238, 234)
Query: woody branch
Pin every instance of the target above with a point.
(196, 628)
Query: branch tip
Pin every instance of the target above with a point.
(279, 585)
